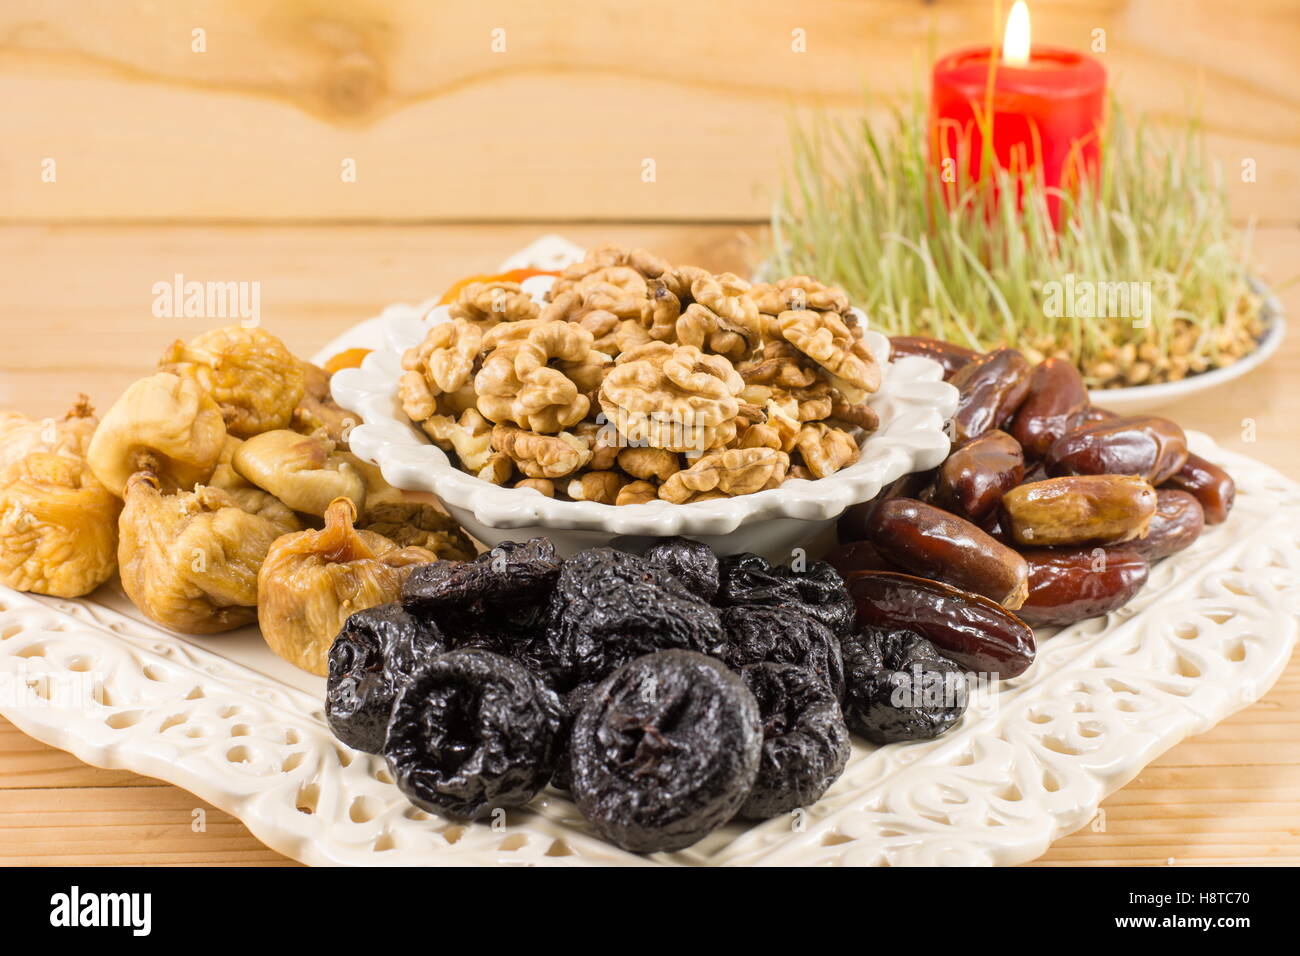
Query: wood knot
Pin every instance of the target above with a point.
(352, 86)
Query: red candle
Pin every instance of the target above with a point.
(1045, 106)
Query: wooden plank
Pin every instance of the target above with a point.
(559, 122)
(123, 826)
(28, 764)
(81, 319)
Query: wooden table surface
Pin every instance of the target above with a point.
(75, 309)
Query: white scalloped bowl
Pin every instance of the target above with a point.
(913, 403)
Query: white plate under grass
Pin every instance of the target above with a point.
(1149, 398)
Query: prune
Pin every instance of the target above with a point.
(510, 574)
(824, 597)
(783, 635)
(609, 607)
(1209, 484)
(500, 596)
(973, 479)
(750, 580)
(529, 648)
(376, 650)
(1178, 522)
(899, 687)
(692, 563)
(472, 731)
(1150, 448)
(966, 628)
(948, 354)
(989, 391)
(574, 701)
(1070, 584)
(935, 544)
(805, 740)
(666, 750)
(1079, 510)
(1056, 400)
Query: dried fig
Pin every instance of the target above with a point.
(165, 425)
(58, 526)
(224, 475)
(20, 436)
(303, 471)
(317, 411)
(250, 374)
(189, 561)
(406, 520)
(312, 581)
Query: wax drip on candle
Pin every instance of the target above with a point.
(1015, 41)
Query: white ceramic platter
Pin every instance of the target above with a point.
(1030, 761)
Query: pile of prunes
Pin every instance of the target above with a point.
(668, 693)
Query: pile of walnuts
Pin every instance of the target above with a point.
(637, 380)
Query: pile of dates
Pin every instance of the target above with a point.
(667, 692)
(1047, 506)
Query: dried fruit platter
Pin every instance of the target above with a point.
(1030, 761)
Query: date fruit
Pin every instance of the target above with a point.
(1151, 448)
(1078, 510)
(1070, 584)
(976, 476)
(1209, 484)
(935, 544)
(1056, 400)
(966, 628)
(857, 556)
(948, 354)
(1178, 522)
(852, 525)
(990, 390)
(1095, 413)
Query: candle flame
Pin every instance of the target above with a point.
(1015, 42)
